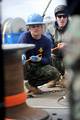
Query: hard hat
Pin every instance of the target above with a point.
(35, 19)
(61, 9)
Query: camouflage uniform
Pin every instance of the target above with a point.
(38, 74)
(58, 37)
(58, 61)
(58, 55)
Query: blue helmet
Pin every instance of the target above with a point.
(35, 19)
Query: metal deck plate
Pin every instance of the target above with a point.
(49, 102)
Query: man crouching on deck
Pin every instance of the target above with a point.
(38, 69)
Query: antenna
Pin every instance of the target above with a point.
(46, 8)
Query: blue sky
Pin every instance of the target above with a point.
(22, 8)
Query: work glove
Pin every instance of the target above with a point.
(35, 58)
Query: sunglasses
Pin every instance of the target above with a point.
(60, 16)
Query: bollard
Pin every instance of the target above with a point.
(15, 97)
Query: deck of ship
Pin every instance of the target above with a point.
(54, 101)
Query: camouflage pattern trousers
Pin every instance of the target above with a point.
(58, 63)
(38, 74)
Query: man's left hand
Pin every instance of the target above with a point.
(61, 45)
